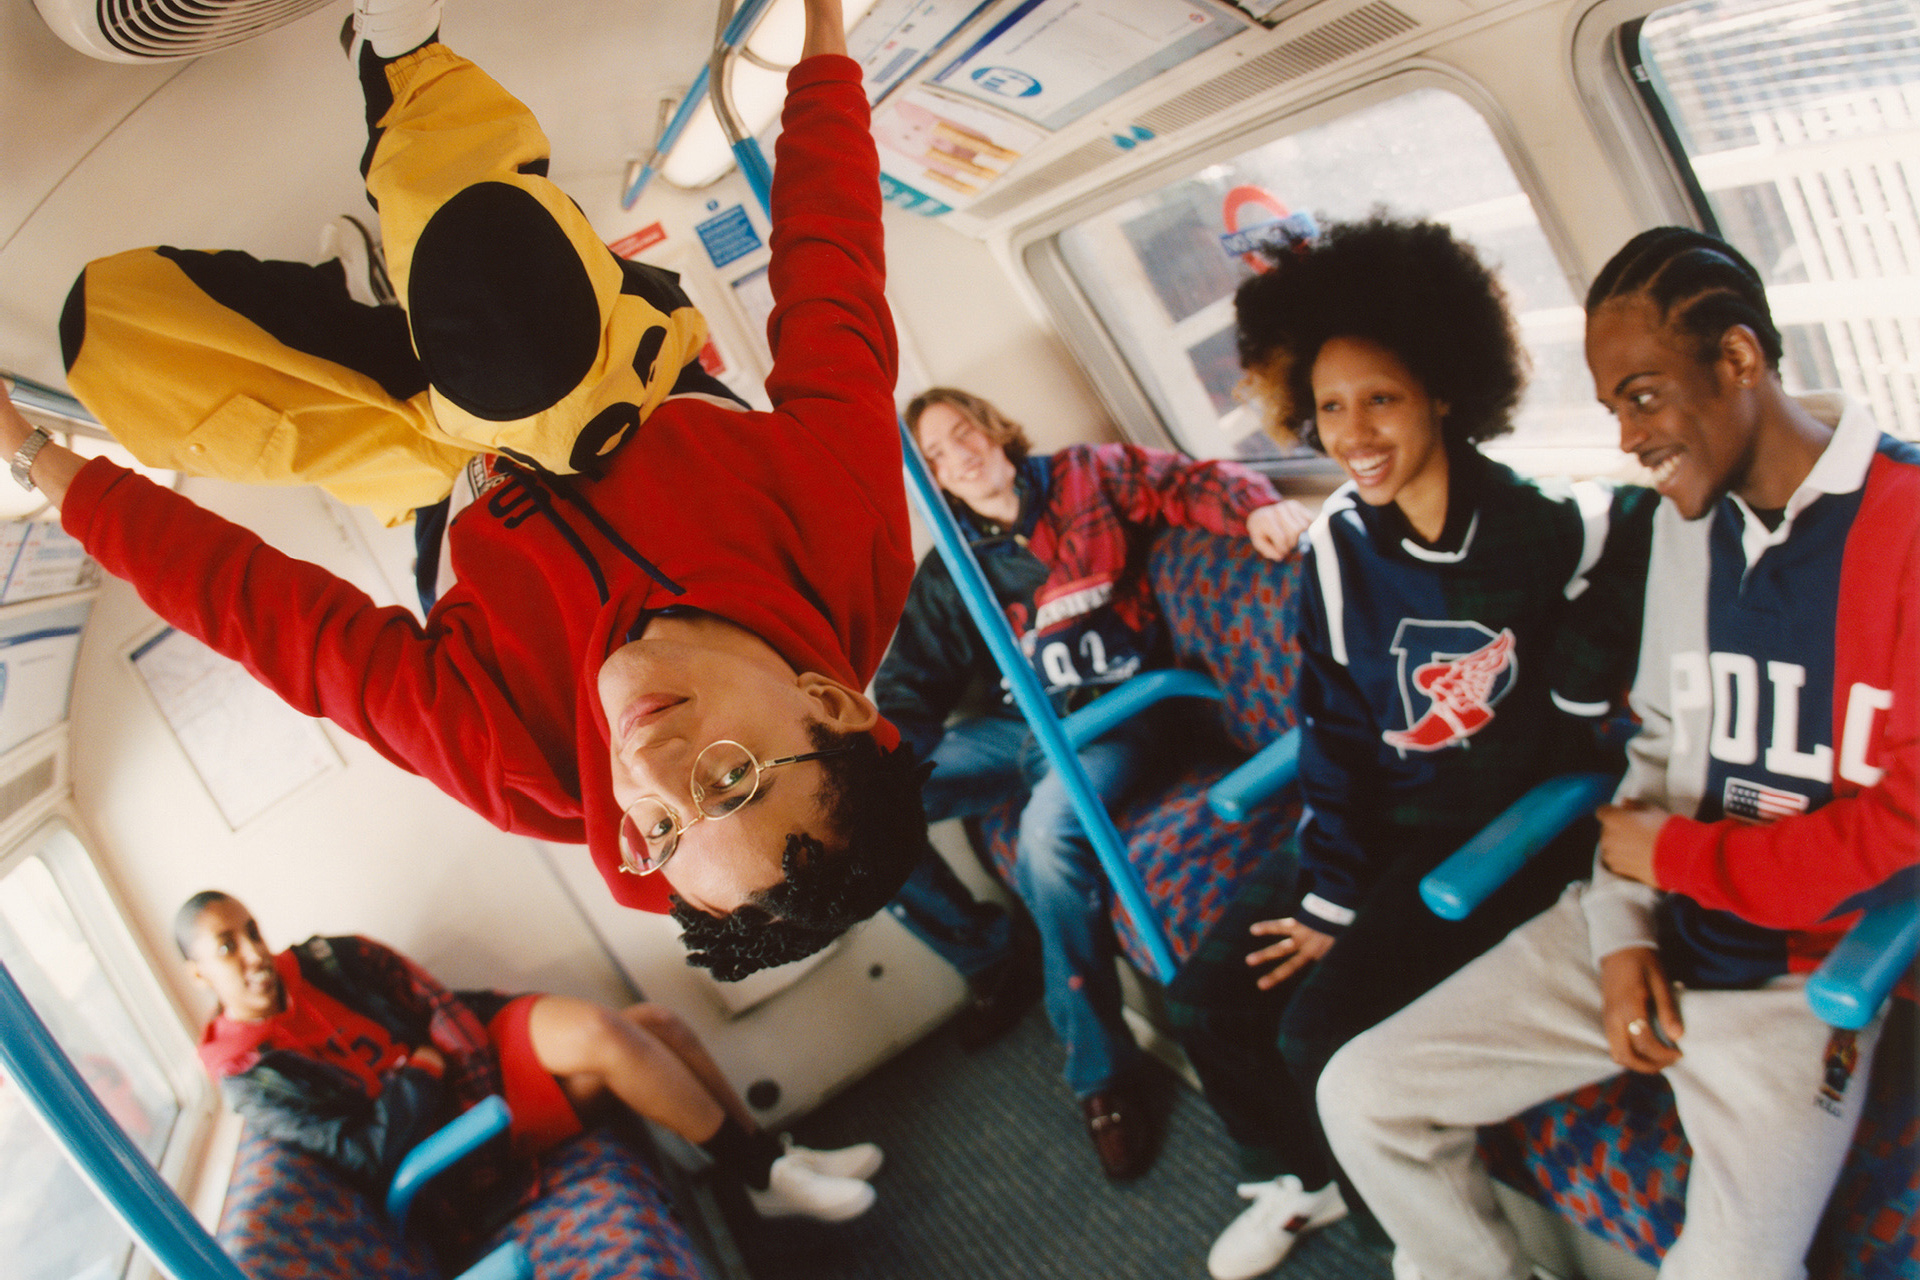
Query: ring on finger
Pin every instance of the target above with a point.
(1635, 1027)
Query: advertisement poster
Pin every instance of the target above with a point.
(944, 149)
(1053, 61)
(38, 652)
(249, 748)
(897, 37)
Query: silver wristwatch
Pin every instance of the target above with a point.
(24, 456)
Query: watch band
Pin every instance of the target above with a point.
(24, 456)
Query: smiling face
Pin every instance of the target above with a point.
(688, 682)
(1689, 420)
(1377, 421)
(230, 958)
(965, 463)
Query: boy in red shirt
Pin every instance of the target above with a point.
(647, 630)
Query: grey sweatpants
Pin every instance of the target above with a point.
(1769, 1117)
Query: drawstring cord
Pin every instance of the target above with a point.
(530, 484)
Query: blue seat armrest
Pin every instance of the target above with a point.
(1271, 770)
(1857, 976)
(508, 1262)
(1131, 698)
(441, 1150)
(1454, 888)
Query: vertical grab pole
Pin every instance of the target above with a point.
(738, 28)
(1027, 693)
(100, 1149)
(1033, 704)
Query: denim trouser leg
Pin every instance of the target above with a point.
(1064, 887)
(968, 934)
(975, 767)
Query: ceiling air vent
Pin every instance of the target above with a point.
(1331, 42)
(1323, 46)
(160, 30)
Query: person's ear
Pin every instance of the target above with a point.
(1742, 362)
(844, 709)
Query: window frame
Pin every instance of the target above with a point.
(1631, 130)
(162, 1025)
(1034, 245)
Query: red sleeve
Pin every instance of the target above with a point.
(422, 700)
(1793, 873)
(835, 358)
(1152, 486)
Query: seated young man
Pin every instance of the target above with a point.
(679, 627)
(348, 1050)
(1059, 539)
(1773, 781)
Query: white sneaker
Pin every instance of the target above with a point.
(348, 239)
(861, 1160)
(392, 27)
(796, 1191)
(1261, 1237)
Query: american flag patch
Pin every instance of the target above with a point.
(1758, 802)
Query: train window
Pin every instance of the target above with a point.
(1159, 274)
(74, 971)
(1800, 125)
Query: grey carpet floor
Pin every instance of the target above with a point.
(990, 1177)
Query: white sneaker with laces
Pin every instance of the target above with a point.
(861, 1160)
(392, 27)
(796, 1191)
(348, 239)
(1261, 1237)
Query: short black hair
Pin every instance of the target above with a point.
(1410, 287)
(1701, 287)
(872, 798)
(187, 919)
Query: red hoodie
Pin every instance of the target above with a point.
(792, 524)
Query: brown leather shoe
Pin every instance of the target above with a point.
(1118, 1126)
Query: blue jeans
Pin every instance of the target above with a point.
(977, 765)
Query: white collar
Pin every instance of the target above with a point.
(1840, 468)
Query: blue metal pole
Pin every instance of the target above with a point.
(1033, 704)
(739, 28)
(682, 116)
(29, 394)
(100, 1149)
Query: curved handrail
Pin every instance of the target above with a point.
(735, 31)
(1859, 974)
(438, 1152)
(1454, 888)
(1125, 701)
(1269, 771)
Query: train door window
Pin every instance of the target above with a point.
(1798, 125)
(1158, 272)
(70, 954)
